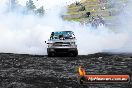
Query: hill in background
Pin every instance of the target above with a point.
(108, 9)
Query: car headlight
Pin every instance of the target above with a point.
(72, 43)
(50, 44)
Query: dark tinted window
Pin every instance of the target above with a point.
(65, 34)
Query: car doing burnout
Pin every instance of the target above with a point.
(62, 42)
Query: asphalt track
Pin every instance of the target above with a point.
(35, 71)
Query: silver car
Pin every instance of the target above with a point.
(62, 42)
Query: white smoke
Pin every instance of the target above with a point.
(125, 26)
(26, 34)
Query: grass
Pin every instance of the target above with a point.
(74, 19)
(110, 17)
(80, 12)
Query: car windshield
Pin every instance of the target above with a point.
(62, 34)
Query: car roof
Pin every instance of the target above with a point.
(63, 31)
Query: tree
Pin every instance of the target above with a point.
(31, 8)
(30, 5)
(12, 4)
(40, 11)
(77, 3)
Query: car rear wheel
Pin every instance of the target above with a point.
(51, 54)
(73, 53)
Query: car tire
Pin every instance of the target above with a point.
(51, 54)
(73, 53)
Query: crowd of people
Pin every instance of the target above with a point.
(94, 21)
(97, 21)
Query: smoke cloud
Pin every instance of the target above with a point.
(25, 34)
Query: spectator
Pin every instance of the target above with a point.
(52, 35)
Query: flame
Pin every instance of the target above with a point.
(81, 71)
